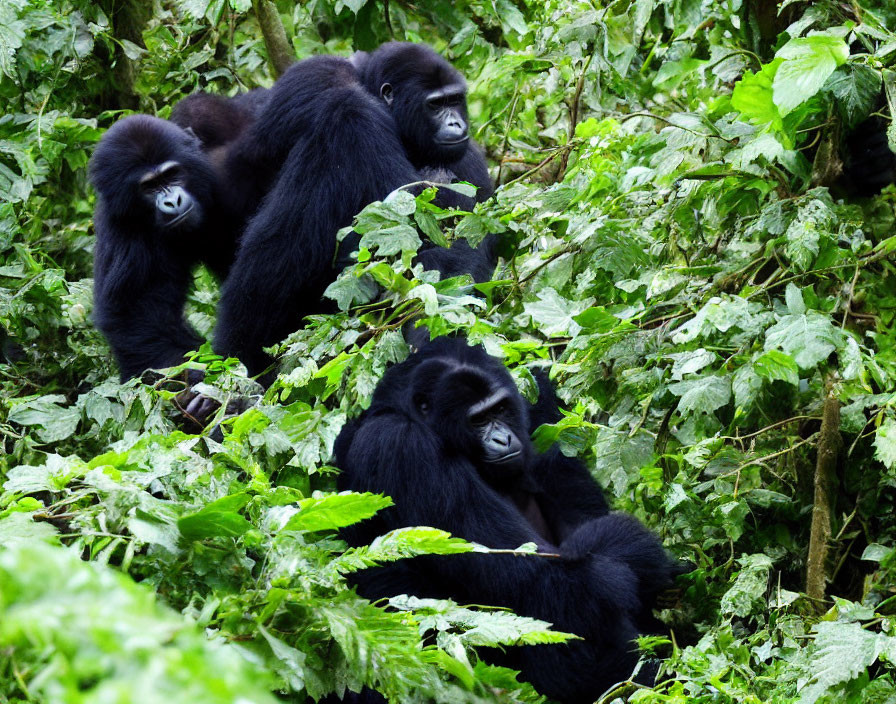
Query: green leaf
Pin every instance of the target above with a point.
(843, 651)
(400, 544)
(703, 395)
(808, 338)
(12, 34)
(55, 422)
(747, 595)
(21, 527)
(753, 95)
(218, 519)
(777, 366)
(856, 87)
(808, 63)
(746, 385)
(885, 443)
(555, 315)
(335, 511)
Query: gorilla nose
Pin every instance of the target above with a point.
(502, 440)
(173, 202)
(452, 131)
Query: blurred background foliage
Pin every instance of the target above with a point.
(679, 250)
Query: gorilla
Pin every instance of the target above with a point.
(335, 135)
(159, 214)
(217, 120)
(447, 437)
(869, 163)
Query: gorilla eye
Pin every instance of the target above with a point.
(421, 403)
(479, 419)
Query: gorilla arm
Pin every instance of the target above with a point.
(139, 296)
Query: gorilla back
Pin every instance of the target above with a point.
(447, 437)
(342, 145)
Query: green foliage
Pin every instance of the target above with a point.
(676, 250)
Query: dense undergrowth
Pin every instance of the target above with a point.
(714, 308)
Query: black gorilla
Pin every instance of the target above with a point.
(158, 215)
(869, 163)
(337, 134)
(446, 436)
(217, 120)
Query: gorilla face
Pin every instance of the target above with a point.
(474, 414)
(427, 98)
(163, 189)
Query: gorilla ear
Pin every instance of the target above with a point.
(386, 93)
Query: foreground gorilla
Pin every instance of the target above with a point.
(158, 215)
(447, 437)
(337, 134)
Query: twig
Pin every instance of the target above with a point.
(778, 424)
(574, 114)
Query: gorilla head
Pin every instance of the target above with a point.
(149, 171)
(427, 98)
(468, 400)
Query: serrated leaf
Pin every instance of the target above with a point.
(753, 95)
(808, 338)
(774, 365)
(808, 63)
(218, 519)
(842, 652)
(748, 591)
(703, 395)
(555, 315)
(335, 511)
(393, 240)
(12, 34)
(400, 544)
(856, 87)
(54, 421)
(746, 385)
(885, 443)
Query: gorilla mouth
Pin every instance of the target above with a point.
(506, 458)
(179, 218)
(454, 143)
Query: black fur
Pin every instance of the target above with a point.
(326, 145)
(217, 120)
(869, 163)
(143, 267)
(416, 444)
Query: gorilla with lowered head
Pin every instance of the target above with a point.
(158, 215)
(335, 135)
(447, 437)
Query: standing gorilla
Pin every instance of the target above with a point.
(161, 212)
(158, 215)
(446, 436)
(336, 135)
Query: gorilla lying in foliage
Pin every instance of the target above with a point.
(336, 134)
(447, 437)
(158, 215)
